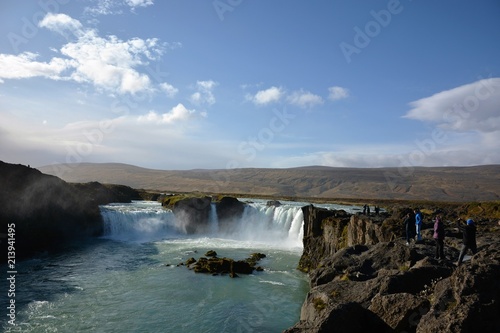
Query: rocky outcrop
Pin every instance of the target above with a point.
(221, 266)
(383, 285)
(193, 213)
(323, 230)
(468, 300)
(273, 203)
(102, 194)
(229, 209)
(47, 212)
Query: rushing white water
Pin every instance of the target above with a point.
(138, 221)
(280, 226)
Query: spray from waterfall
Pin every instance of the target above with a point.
(148, 221)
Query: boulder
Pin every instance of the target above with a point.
(400, 310)
(211, 253)
(192, 214)
(273, 203)
(216, 266)
(229, 209)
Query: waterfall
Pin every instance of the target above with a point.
(138, 221)
(213, 220)
(281, 225)
(145, 221)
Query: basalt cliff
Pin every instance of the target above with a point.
(44, 212)
(364, 278)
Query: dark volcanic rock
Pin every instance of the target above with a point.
(193, 213)
(216, 266)
(47, 211)
(229, 209)
(323, 235)
(102, 194)
(383, 285)
(469, 299)
(274, 203)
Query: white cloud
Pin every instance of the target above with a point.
(169, 89)
(25, 65)
(204, 95)
(336, 93)
(139, 3)
(104, 7)
(62, 24)
(114, 7)
(110, 63)
(270, 95)
(470, 107)
(304, 99)
(106, 62)
(177, 113)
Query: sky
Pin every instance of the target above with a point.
(223, 84)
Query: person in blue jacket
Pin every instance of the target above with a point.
(418, 223)
(468, 238)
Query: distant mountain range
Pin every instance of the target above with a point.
(456, 184)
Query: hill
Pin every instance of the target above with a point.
(455, 184)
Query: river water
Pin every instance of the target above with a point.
(129, 280)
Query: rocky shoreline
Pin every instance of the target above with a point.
(365, 278)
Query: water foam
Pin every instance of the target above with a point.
(145, 221)
(138, 221)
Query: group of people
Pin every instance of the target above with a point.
(413, 228)
(366, 210)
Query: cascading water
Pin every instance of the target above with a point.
(280, 226)
(148, 221)
(138, 221)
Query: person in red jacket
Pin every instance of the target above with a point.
(439, 237)
(469, 238)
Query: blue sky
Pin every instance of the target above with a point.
(237, 83)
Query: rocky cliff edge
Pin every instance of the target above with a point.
(44, 211)
(364, 278)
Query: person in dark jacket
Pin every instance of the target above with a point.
(469, 238)
(409, 223)
(439, 237)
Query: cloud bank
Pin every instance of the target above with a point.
(471, 107)
(107, 63)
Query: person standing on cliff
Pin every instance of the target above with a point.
(439, 237)
(409, 222)
(418, 224)
(469, 238)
